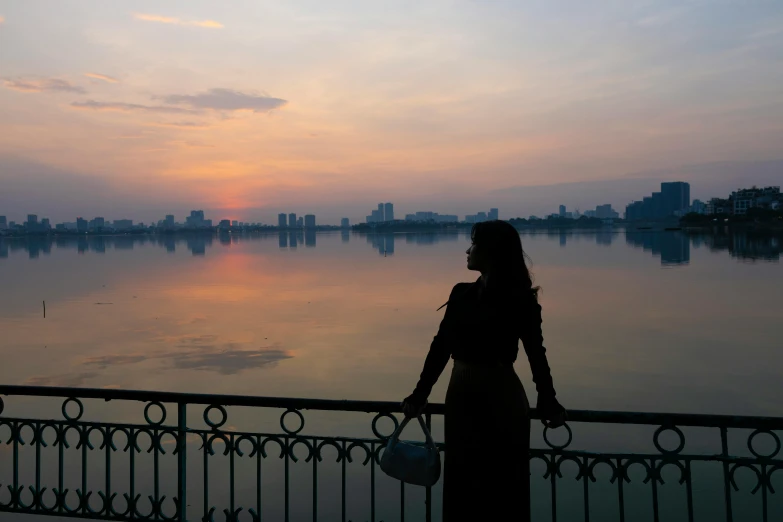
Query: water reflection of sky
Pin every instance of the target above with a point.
(351, 316)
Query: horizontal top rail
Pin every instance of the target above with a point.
(609, 417)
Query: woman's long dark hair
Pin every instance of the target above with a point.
(511, 280)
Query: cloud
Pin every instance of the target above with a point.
(2, 20)
(69, 380)
(191, 144)
(210, 24)
(42, 84)
(130, 107)
(201, 352)
(102, 77)
(226, 100)
(188, 125)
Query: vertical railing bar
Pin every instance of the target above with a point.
(132, 444)
(38, 440)
(553, 481)
(315, 480)
(85, 439)
(17, 496)
(372, 482)
(156, 473)
(61, 472)
(586, 490)
(654, 492)
(724, 442)
(182, 461)
(689, 489)
(764, 479)
(258, 477)
(428, 493)
(620, 476)
(345, 458)
(287, 492)
(107, 440)
(231, 472)
(206, 475)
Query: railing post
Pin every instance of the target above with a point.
(428, 499)
(182, 463)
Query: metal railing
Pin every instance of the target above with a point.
(123, 471)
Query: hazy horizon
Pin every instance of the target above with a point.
(253, 108)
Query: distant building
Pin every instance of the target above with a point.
(32, 220)
(388, 212)
(299, 222)
(196, 219)
(562, 211)
(605, 212)
(745, 199)
(281, 222)
(3, 223)
(123, 224)
(345, 223)
(225, 224)
(45, 224)
(673, 199)
(494, 214)
(698, 207)
(81, 225)
(234, 223)
(309, 221)
(380, 214)
(292, 220)
(169, 221)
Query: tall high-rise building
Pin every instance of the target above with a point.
(292, 220)
(309, 221)
(299, 222)
(32, 219)
(169, 221)
(562, 212)
(45, 223)
(676, 196)
(380, 213)
(345, 223)
(494, 214)
(81, 225)
(281, 222)
(388, 212)
(3, 223)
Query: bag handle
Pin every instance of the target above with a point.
(395, 438)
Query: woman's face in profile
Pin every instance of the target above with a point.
(476, 260)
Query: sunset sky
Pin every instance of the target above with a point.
(248, 108)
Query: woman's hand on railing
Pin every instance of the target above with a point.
(551, 412)
(413, 405)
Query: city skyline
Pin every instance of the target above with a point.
(139, 114)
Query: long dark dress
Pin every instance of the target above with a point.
(487, 468)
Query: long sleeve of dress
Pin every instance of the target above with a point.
(533, 341)
(437, 358)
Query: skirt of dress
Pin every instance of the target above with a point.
(487, 468)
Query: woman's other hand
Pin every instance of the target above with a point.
(413, 406)
(551, 412)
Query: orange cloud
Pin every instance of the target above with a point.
(42, 84)
(2, 19)
(128, 107)
(185, 125)
(103, 77)
(211, 24)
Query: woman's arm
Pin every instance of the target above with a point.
(533, 342)
(437, 358)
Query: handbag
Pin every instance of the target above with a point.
(413, 464)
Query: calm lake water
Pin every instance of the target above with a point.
(636, 321)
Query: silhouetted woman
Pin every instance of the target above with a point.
(487, 471)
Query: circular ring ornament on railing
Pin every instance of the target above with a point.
(676, 430)
(2, 405)
(215, 425)
(301, 420)
(162, 413)
(375, 427)
(774, 437)
(65, 409)
(555, 446)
